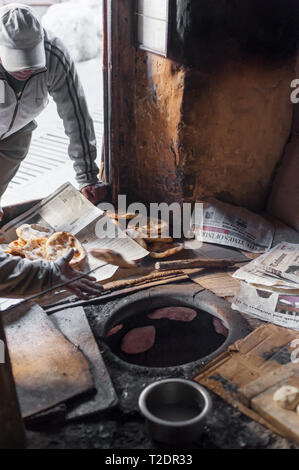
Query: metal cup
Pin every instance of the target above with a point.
(175, 410)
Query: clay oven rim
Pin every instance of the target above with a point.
(184, 295)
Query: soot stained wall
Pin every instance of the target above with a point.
(214, 118)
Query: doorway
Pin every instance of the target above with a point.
(47, 166)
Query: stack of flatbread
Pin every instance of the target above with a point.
(37, 242)
(152, 234)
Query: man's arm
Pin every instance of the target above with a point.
(65, 88)
(22, 278)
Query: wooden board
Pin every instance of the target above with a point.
(221, 283)
(244, 376)
(278, 376)
(74, 325)
(286, 421)
(210, 250)
(47, 368)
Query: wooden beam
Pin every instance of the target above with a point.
(12, 431)
(120, 122)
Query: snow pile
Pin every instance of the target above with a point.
(75, 25)
(96, 6)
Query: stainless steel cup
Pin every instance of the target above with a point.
(175, 410)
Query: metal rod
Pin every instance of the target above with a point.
(50, 309)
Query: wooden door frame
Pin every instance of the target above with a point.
(119, 91)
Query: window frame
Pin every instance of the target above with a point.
(168, 33)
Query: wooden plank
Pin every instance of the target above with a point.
(286, 421)
(259, 357)
(220, 283)
(12, 432)
(74, 325)
(47, 368)
(275, 377)
(209, 250)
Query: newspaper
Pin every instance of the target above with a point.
(270, 287)
(283, 261)
(278, 308)
(237, 227)
(68, 210)
(255, 273)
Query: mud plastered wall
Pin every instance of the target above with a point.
(214, 119)
(158, 113)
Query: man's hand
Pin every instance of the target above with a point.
(86, 287)
(95, 193)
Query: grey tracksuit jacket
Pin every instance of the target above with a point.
(21, 277)
(60, 80)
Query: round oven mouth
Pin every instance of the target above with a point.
(177, 344)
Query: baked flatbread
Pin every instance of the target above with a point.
(141, 242)
(121, 215)
(159, 240)
(16, 248)
(136, 236)
(150, 228)
(37, 242)
(60, 243)
(35, 249)
(28, 232)
(32, 249)
(160, 250)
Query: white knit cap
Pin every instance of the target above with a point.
(21, 38)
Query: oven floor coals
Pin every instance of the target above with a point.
(175, 342)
